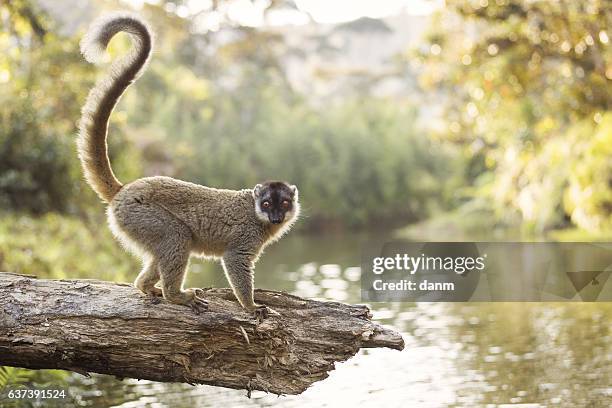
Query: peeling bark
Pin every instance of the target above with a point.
(110, 328)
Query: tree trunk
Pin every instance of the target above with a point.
(110, 328)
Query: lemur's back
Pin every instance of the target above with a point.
(215, 217)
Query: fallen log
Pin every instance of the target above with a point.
(110, 328)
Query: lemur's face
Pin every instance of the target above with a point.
(276, 201)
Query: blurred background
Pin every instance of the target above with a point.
(422, 119)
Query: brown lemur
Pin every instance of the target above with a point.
(164, 220)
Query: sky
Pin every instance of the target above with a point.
(251, 12)
(333, 11)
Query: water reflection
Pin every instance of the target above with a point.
(458, 355)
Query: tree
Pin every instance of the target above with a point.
(528, 86)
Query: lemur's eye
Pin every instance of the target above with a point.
(265, 204)
(285, 204)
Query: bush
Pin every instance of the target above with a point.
(34, 163)
(59, 246)
(588, 198)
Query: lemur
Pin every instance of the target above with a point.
(164, 220)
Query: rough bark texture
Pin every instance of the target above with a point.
(110, 328)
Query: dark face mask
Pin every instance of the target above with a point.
(275, 200)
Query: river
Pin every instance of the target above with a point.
(456, 355)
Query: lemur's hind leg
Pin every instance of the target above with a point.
(173, 267)
(167, 242)
(148, 277)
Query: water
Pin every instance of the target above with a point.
(457, 355)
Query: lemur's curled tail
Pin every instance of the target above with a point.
(93, 127)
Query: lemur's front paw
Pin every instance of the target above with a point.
(199, 293)
(198, 304)
(154, 292)
(154, 295)
(262, 312)
(154, 299)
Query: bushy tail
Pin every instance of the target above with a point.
(91, 143)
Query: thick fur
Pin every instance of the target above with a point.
(164, 220)
(93, 127)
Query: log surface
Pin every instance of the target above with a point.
(111, 328)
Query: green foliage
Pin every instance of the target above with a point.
(355, 163)
(358, 161)
(44, 82)
(529, 87)
(13, 377)
(62, 247)
(588, 198)
(528, 102)
(34, 164)
(34, 157)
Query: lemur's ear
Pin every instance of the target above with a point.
(257, 191)
(294, 190)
